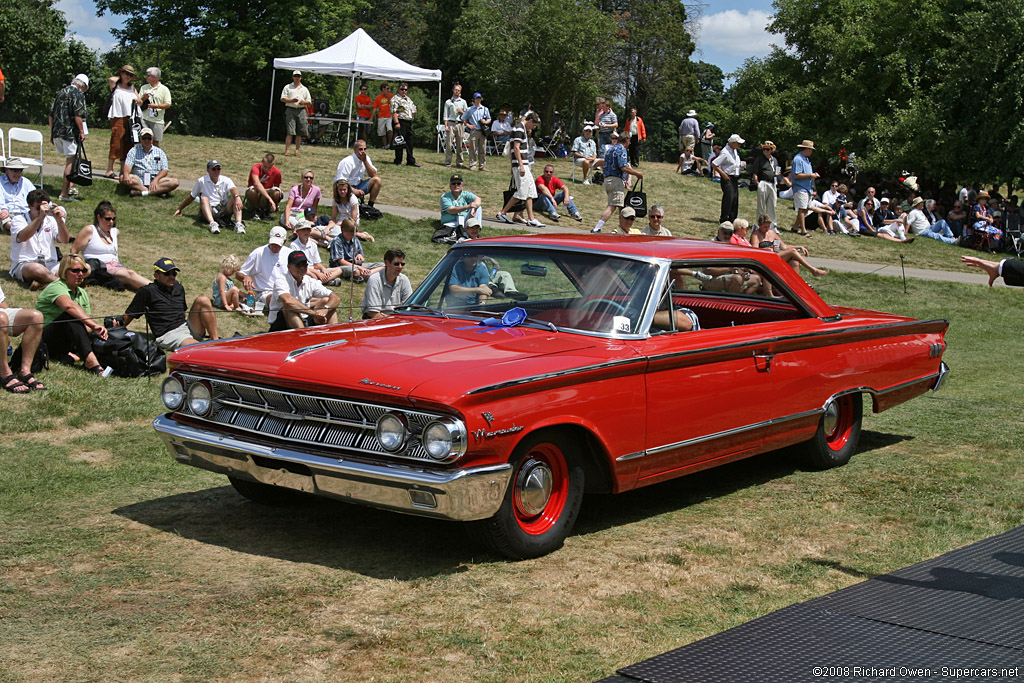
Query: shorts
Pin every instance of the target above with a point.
(12, 313)
(65, 148)
(157, 128)
(170, 341)
(221, 210)
(295, 121)
(113, 266)
(15, 271)
(801, 199)
(616, 189)
(383, 126)
(526, 187)
(363, 185)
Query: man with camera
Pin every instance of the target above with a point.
(145, 168)
(156, 100)
(34, 259)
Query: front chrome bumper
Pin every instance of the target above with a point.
(458, 495)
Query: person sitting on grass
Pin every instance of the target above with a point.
(264, 264)
(218, 198)
(34, 238)
(67, 316)
(163, 304)
(225, 295)
(145, 169)
(15, 322)
(98, 243)
(551, 192)
(302, 241)
(457, 206)
(765, 237)
(301, 197)
(346, 253)
(691, 164)
(387, 288)
(353, 167)
(264, 191)
(299, 300)
(888, 225)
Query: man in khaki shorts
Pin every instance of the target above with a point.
(163, 304)
(616, 167)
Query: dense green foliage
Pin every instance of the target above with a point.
(937, 90)
(36, 58)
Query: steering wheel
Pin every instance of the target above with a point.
(593, 304)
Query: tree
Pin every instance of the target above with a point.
(936, 90)
(217, 57)
(37, 59)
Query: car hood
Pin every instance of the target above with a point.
(407, 356)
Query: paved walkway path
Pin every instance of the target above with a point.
(569, 225)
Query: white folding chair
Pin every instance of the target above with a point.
(27, 135)
(3, 147)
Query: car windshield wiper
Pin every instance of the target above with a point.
(420, 307)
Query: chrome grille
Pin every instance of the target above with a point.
(298, 418)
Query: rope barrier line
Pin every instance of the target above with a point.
(215, 311)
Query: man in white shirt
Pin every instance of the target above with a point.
(264, 264)
(34, 236)
(14, 189)
(870, 194)
(584, 153)
(218, 198)
(454, 128)
(298, 300)
(352, 168)
(921, 221)
(727, 165)
(156, 100)
(501, 128)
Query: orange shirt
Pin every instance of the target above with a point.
(363, 106)
(382, 103)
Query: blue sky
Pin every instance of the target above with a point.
(730, 31)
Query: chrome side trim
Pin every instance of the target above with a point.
(557, 373)
(631, 456)
(461, 494)
(733, 432)
(305, 349)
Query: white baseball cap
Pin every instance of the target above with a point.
(277, 235)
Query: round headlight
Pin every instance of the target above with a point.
(172, 393)
(444, 438)
(199, 399)
(392, 432)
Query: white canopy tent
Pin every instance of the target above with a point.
(357, 56)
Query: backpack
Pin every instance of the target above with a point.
(369, 213)
(40, 361)
(129, 353)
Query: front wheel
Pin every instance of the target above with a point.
(838, 433)
(542, 500)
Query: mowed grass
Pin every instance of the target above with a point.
(117, 563)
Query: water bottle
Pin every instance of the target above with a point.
(10, 350)
(250, 300)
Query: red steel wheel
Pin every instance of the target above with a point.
(838, 433)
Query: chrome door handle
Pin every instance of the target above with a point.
(767, 358)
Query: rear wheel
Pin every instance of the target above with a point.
(264, 494)
(838, 433)
(542, 500)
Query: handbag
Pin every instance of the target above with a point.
(81, 167)
(636, 199)
(134, 128)
(520, 204)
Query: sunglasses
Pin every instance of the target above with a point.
(630, 219)
(112, 219)
(455, 184)
(402, 89)
(307, 177)
(79, 271)
(655, 216)
(398, 264)
(147, 137)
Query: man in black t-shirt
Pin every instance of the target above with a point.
(163, 304)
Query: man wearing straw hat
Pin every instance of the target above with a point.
(803, 177)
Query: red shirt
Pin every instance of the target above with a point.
(553, 186)
(363, 103)
(271, 178)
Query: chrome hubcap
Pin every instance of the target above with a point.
(831, 420)
(533, 488)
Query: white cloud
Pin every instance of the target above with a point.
(737, 34)
(84, 25)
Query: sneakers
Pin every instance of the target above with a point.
(68, 199)
(595, 230)
(73, 192)
(214, 228)
(534, 223)
(503, 218)
(240, 228)
(586, 181)
(553, 216)
(336, 282)
(577, 217)
(257, 215)
(516, 295)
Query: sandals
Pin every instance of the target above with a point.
(110, 175)
(13, 385)
(31, 382)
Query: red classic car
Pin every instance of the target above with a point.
(528, 370)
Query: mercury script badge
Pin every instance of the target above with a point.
(367, 380)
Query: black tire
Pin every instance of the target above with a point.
(838, 434)
(533, 521)
(264, 494)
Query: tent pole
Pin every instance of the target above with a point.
(438, 144)
(270, 109)
(351, 96)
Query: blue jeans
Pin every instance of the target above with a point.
(548, 207)
(939, 230)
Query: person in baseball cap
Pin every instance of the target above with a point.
(218, 197)
(163, 304)
(627, 219)
(264, 264)
(145, 168)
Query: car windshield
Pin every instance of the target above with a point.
(590, 292)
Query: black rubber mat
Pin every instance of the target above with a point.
(959, 616)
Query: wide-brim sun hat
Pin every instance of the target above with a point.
(808, 144)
